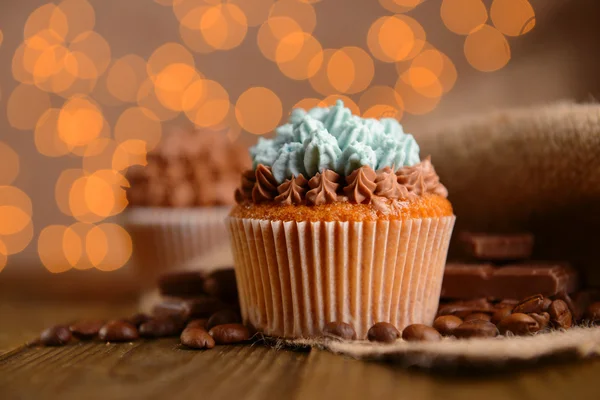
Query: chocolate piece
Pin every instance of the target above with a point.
(383, 332)
(118, 331)
(339, 329)
(446, 324)
(478, 316)
(227, 316)
(85, 330)
(490, 247)
(466, 307)
(186, 309)
(420, 333)
(579, 301)
(560, 315)
(58, 335)
(182, 283)
(196, 338)
(229, 333)
(519, 324)
(197, 323)
(475, 328)
(161, 327)
(465, 281)
(222, 284)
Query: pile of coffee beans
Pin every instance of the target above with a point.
(202, 309)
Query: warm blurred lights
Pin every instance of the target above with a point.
(138, 123)
(272, 32)
(95, 48)
(171, 84)
(399, 6)
(299, 55)
(256, 11)
(206, 103)
(51, 248)
(130, 152)
(125, 77)
(439, 64)
(224, 26)
(512, 17)
(16, 229)
(9, 165)
(320, 81)
(306, 104)
(487, 49)
(414, 101)
(190, 32)
(48, 16)
(168, 54)
(303, 13)
(108, 246)
(46, 137)
(80, 15)
(258, 110)
(463, 16)
(14, 220)
(348, 102)
(25, 106)
(3, 255)
(150, 105)
(80, 121)
(350, 70)
(395, 38)
(379, 101)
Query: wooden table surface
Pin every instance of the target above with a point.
(161, 369)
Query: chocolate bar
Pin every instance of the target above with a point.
(516, 281)
(186, 309)
(491, 247)
(182, 283)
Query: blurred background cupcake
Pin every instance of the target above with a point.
(179, 200)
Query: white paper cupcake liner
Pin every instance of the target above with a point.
(293, 277)
(165, 239)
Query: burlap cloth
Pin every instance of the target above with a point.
(532, 169)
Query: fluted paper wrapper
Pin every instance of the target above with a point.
(293, 277)
(167, 239)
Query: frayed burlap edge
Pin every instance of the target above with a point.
(576, 343)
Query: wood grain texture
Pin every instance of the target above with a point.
(163, 369)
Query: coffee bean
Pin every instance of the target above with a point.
(227, 316)
(500, 314)
(222, 285)
(229, 333)
(592, 312)
(476, 328)
(446, 324)
(58, 335)
(507, 303)
(383, 332)
(197, 323)
(118, 331)
(161, 327)
(138, 319)
(519, 324)
(532, 304)
(463, 308)
(560, 315)
(542, 319)
(546, 304)
(197, 338)
(479, 316)
(339, 329)
(420, 333)
(85, 330)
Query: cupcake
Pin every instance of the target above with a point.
(179, 201)
(339, 220)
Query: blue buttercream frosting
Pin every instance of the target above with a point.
(333, 138)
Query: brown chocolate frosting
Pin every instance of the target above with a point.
(421, 178)
(362, 186)
(292, 190)
(323, 188)
(265, 188)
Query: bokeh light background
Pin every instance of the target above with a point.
(88, 87)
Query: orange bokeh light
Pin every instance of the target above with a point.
(258, 110)
(299, 55)
(138, 123)
(171, 84)
(47, 139)
(463, 16)
(224, 26)
(399, 6)
(189, 30)
(379, 101)
(147, 100)
(272, 32)
(25, 106)
(512, 17)
(51, 248)
(16, 230)
(130, 152)
(206, 103)
(303, 13)
(320, 80)
(348, 102)
(350, 70)
(256, 11)
(436, 62)
(414, 102)
(395, 38)
(9, 159)
(125, 77)
(80, 121)
(3, 255)
(80, 16)
(168, 54)
(95, 48)
(50, 17)
(307, 104)
(487, 49)
(108, 246)
(14, 220)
